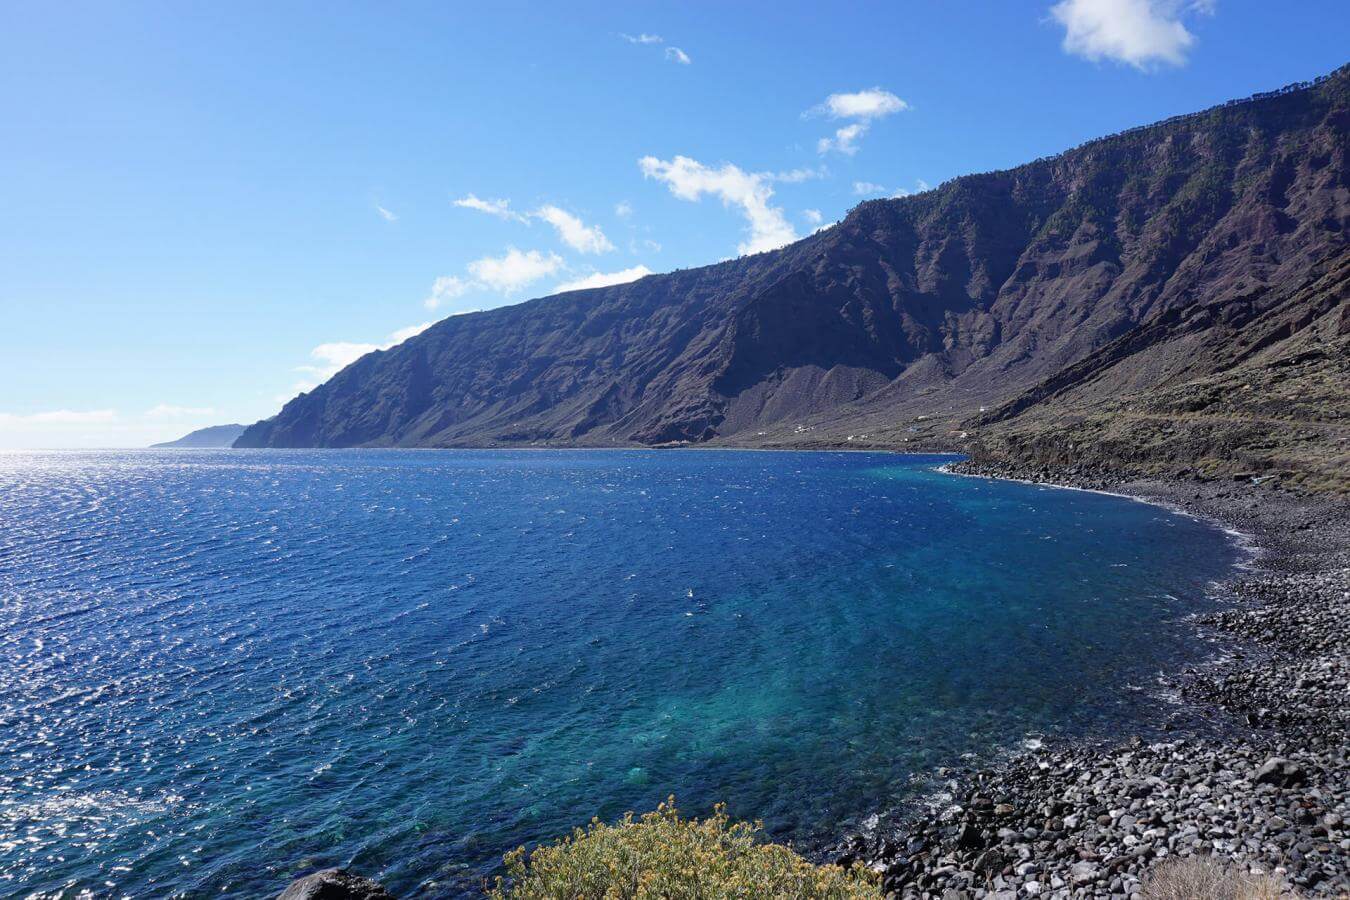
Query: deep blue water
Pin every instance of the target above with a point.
(221, 669)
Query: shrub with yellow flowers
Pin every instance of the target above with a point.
(664, 855)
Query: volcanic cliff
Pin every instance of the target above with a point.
(1172, 297)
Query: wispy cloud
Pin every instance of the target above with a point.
(689, 179)
(623, 209)
(604, 279)
(797, 176)
(919, 187)
(385, 214)
(813, 216)
(863, 107)
(872, 189)
(672, 54)
(573, 232)
(499, 208)
(1140, 33)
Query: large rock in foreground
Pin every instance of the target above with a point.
(335, 884)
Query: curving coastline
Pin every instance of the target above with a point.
(1269, 790)
(1259, 777)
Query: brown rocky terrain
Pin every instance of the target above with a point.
(1261, 391)
(1171, 298)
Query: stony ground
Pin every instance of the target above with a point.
(1270, 789)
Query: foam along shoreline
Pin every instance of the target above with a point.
(1245, 541)
(1271, 792)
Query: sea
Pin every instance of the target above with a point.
(220, 670)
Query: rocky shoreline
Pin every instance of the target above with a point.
(1271, 792)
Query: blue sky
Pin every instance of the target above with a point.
(207, 207)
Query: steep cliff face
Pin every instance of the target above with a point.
(1125, 265)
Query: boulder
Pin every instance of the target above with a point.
(335, 884)
(1281, 772)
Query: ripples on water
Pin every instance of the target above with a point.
(220, 669)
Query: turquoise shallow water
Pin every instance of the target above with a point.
(221, 669)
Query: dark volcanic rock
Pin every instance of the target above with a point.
(335, 884)
(1280, 772)
(1145, 261)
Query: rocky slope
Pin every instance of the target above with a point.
(1001, 306)
(1255, 386)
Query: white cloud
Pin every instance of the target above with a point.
(863, 107)
(873, 103)
(499, 208)
(673, 54)
(515, 270)
(797, 176)
(813, 216)
(333, 357)
(337, 355)
(385, 214)
(403, 334)
(445, 288)
(919, 187)
(845, 139)
(604, 279)
(60, 417)
(168, 411)
(623, 209)
(689, 179)
(1140, 33)
(573, 232)
(872, 189)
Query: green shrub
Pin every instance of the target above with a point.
(663, 855)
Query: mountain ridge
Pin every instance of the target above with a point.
(212, 436)
(908, 321)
